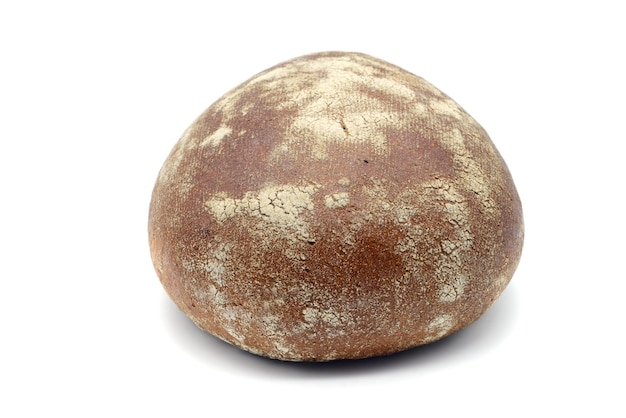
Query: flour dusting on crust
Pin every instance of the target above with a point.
(279, 206)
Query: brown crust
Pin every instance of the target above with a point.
(334, 206)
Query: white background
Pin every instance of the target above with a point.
(94, 95)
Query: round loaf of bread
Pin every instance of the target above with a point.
(334, 206)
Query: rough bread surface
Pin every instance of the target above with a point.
(334, 206)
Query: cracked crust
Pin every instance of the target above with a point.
(334, 206)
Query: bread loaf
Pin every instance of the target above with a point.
(334, 206)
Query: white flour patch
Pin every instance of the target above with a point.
(333, 322)
(447, 107)
(280, 207)
(439, 327)
(339, 100)
(452, 289)
(211, 263)
(447, 254)
(216, 137)
(471, 175)
(344, 181)
(337, 200)
(337, 120)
